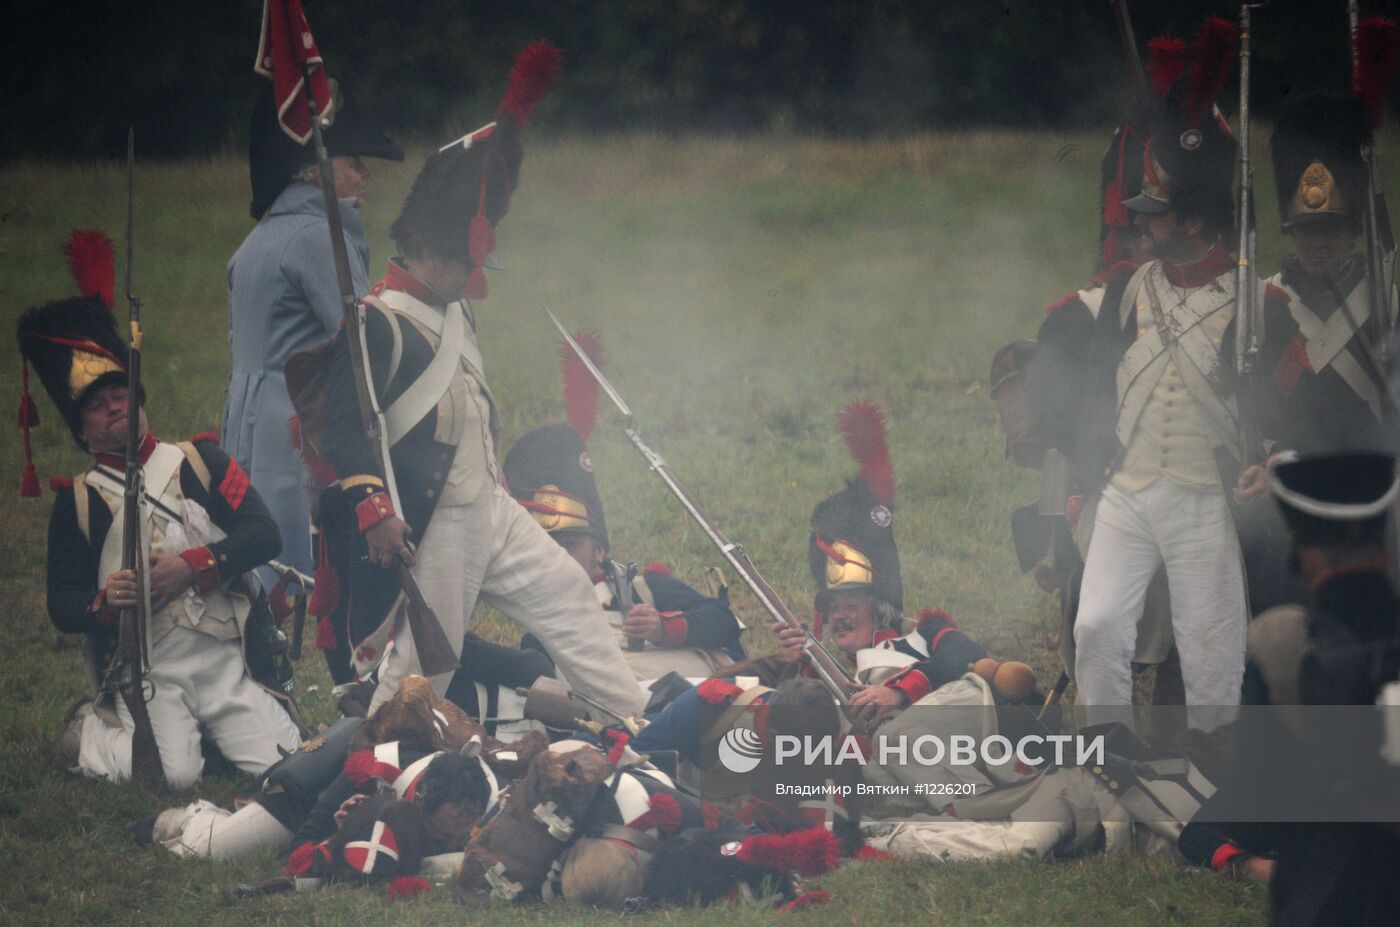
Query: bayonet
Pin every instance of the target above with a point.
(822, 662)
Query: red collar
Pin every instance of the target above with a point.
(1200, 272)
(882, 636)
(398, 277)
(118, 461)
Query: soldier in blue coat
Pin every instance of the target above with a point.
(284, 298)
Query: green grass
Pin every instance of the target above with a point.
(746, 292)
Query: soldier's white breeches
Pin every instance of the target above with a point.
(196, 684)
(492, 550)
(210, 832)
(1192, 533)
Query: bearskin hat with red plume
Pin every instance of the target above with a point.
(548, 470)
(464, 190)
(1120, 168)
(1189, 163)
(73, 344)
(852, 542)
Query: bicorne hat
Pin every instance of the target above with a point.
(274, 157)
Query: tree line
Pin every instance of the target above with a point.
(181, 73)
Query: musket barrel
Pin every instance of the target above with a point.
(826, 667)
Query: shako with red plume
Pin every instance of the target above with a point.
(71, 344)
(852, 543)
(548, 469)
(1120, 168)
(464, 190)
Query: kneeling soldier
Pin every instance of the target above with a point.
(206, 528)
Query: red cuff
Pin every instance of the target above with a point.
(912, 683)
(673, 629)
(105, 614)
(373, 510)
(1222, 856)
(206, 571)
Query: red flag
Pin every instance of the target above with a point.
(284, 46)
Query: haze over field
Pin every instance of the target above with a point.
(745, 291)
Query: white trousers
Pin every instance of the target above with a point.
(210, 832)
(493, 551)
(1193, 534)
(196, 682)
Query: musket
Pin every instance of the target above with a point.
(1130, 49)
(830, 672)
(1248, 318)
(1380, 237)
(622, 576)
(129, 669)
(436, 655)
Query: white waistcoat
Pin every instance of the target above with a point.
(171, 524)
(1185, 328)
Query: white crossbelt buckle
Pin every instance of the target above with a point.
(501, 885)
(560, 827)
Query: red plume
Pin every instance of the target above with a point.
(359, 766)
(808, 853)
(363, 765)
(580, 389)
(1216, 46)
(92, 265)
(1376, 45)
(620, 740)
(304, 857)
(663, 812)
(931, 617)
(530, 79)
(1166, 59)
(406, 887)
(863, 428)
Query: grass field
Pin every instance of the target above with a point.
(746, 291)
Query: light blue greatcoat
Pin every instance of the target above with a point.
(283, 298)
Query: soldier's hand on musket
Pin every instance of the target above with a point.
(388, 539)
(169, 576)
(643, 623)
(1253, 483)
(869, 703)
(121, 589)
(789, 638)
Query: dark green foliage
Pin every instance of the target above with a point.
(182, 73)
